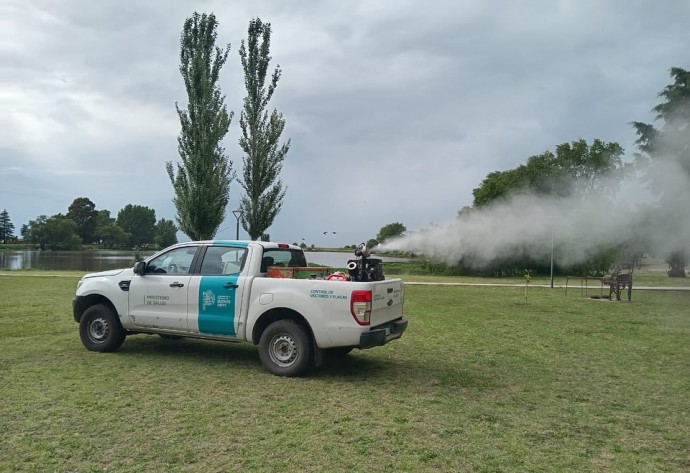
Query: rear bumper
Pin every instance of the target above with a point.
(382, 334)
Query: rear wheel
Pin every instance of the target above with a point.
(100, 329)
(284, 348)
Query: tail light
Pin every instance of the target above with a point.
(360, 307)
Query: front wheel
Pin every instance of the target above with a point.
(100, 329)
(284, 348)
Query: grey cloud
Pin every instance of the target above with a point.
(396, 110)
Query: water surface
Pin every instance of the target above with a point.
(102, 260)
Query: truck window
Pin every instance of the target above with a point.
(177, 261)
(285, 257)
(220, 260)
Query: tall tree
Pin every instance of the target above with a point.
(263, 155)
(83, 212)
(139, 222)
(6, 226)
(202, 181)
(665, 158)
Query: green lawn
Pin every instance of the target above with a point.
(482, 381)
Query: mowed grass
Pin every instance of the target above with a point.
(482, 381)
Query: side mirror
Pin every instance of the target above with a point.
(140, 268)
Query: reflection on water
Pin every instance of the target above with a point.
(102, 260)
(98, 260)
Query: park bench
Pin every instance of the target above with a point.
(618, 281)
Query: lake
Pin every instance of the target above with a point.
(102, 260)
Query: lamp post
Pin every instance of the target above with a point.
(238, 214)
(551, 255)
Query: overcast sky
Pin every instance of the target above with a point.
(396, 110)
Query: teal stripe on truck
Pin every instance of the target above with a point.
(217, 305)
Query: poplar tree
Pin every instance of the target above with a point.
(202, 181)
(263, 155)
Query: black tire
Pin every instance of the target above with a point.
(285, 348)
(338, 352)
(100, 329)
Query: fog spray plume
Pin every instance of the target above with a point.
(528, 225)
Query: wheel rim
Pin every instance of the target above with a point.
(283, 350)
(99, 330)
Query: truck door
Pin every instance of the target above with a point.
(158, 299)
(215, 294)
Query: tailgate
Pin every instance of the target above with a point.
(386, 301)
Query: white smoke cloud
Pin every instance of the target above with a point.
(580, 227)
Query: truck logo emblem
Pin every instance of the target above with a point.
(390, 302)
(209, 299)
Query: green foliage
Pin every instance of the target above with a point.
(669, 145)
(263, 155)
(165, 233)
(83, 212)
(139, 222)
(112, 235)
(136, 225)
(202, 181)
(107, 232)
(372, 242)
(391, 230)
(54, 233)
(6, 226)
(575, 170)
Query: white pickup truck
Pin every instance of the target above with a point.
(220, 290)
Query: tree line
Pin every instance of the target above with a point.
(83, 224)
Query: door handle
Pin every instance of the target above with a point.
(229, 285)
(176, 284)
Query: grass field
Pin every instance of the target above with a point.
(482, 381)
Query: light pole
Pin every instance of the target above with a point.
(238, 214)
(551, 255)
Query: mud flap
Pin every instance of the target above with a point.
(319, 354)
